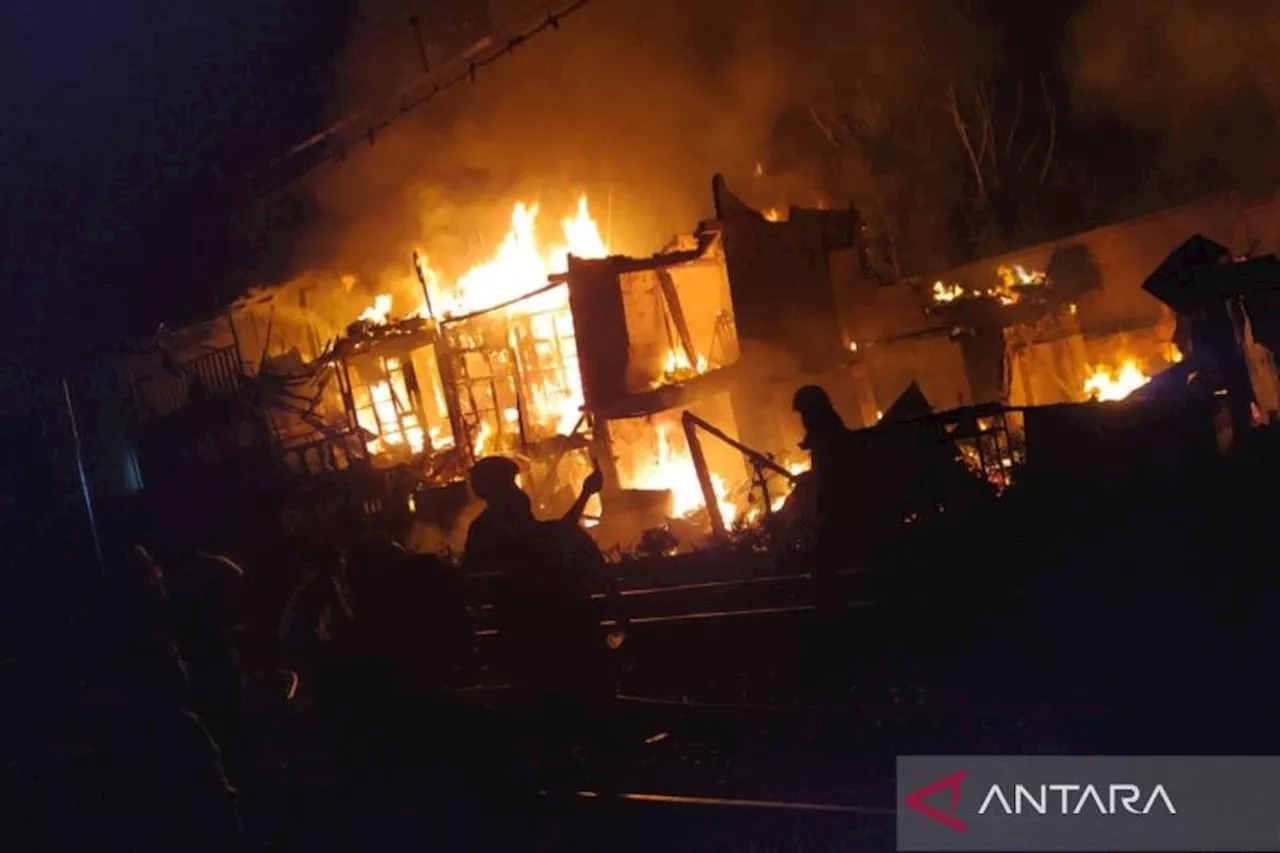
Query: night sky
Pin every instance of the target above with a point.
(128, 131)
(135, 135)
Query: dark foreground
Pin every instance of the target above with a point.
(1107, 626)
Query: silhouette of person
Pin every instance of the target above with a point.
(205, 595)
(832, 505)
(548, 622)
(173, 791)
(830, 445)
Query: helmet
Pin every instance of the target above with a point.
(811, 398)
(492, 476)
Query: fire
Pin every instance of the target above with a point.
(379, 311)
(795, 469)
(385, 415)
(518, 267)
(773, 215)
(1106, 385)
(671, 469)
(1013, 280)
(483, 436)
(779, 499)
(943, 293)
(676, 368)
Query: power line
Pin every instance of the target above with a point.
(479, 56)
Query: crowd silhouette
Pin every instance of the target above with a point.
(336, 657)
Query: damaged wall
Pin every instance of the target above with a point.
(1116, 316)
(704, 305)
(934, 362)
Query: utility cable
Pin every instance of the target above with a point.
(480, 56)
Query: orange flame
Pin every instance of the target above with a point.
(1107, 385)
(516, 277)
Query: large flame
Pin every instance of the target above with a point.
(518, 268)
(671, 468)
(382, 411)
(1107, 385)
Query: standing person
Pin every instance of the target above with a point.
(548, 622)
(170, 790)
(206, 603)
(834, 506)
(831, 482)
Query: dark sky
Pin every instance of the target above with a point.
(127, 127)
(127, 130)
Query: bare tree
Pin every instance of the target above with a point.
(1010, 149)
(855, 128)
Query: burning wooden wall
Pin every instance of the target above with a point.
(1103, 331)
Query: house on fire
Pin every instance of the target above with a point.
(599, 362)
(605, 358)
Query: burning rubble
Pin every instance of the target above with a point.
(1011, 284)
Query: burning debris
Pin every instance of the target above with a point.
(1012, 284)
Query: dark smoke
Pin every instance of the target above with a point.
(637, 103)
(1201, 76)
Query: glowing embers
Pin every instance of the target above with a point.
(991, 447)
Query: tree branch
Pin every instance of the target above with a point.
(826, 130)
(1026, 154)
(953, 107)
(1013, 125)
(990, 143)
(1053, 130)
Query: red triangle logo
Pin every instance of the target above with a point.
(916, 800)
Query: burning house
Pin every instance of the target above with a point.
(673, 371)
(649, 366)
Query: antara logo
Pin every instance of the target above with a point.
(1076, 799)
(951, 784)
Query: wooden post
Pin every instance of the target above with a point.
(235, 338)
(426, 291)
(704, 474)
(449, 385)
(754, 455)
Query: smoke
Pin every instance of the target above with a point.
(634, 102)
(1200, 74)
